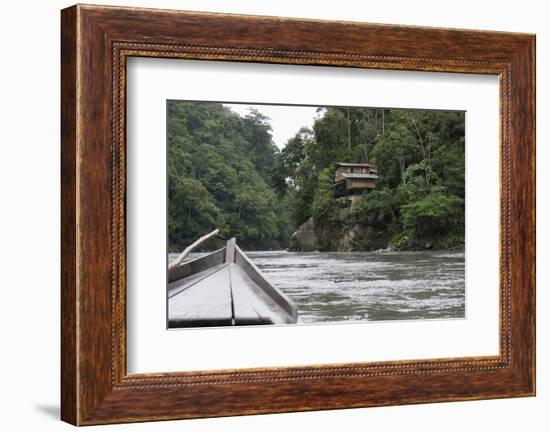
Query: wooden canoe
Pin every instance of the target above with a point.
(224, 288)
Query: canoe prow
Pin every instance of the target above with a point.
(225, 288)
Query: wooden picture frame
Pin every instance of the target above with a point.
(96, 41)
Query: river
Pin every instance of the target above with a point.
(332, 287)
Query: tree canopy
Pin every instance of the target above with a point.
(220, 172)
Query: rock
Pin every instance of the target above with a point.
(346, 240)
(304, 239)
(343, 214)
(342, 202)
(388, 249)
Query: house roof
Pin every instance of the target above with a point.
(356, 165)
(360, 176)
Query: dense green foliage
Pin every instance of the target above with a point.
(225, 171)
(220, 176)
(419, 200)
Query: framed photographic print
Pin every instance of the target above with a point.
(321, 214)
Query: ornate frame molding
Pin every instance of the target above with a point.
(96, 41)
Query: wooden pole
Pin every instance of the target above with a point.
(188, 250)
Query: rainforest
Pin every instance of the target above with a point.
(225, 171)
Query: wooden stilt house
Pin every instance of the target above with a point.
(353, 179)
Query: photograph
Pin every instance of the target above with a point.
(290, 214)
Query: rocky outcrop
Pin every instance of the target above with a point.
(346, 241)
(340, 237)
(343, 236)
(346, 237)
(305, 239)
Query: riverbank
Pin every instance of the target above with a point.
(346, 236)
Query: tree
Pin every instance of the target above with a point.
(296, 176)
(437, 215)
(195, 212)
(379, 209)
(259, 144)
(324, 208)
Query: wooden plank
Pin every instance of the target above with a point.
(251, 305)
(271, 291)
(193, 266)
(244, 312)
(230, 250)
(206, 303)
(180, 285)
(69, 213)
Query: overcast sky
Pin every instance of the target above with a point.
(285, 120)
